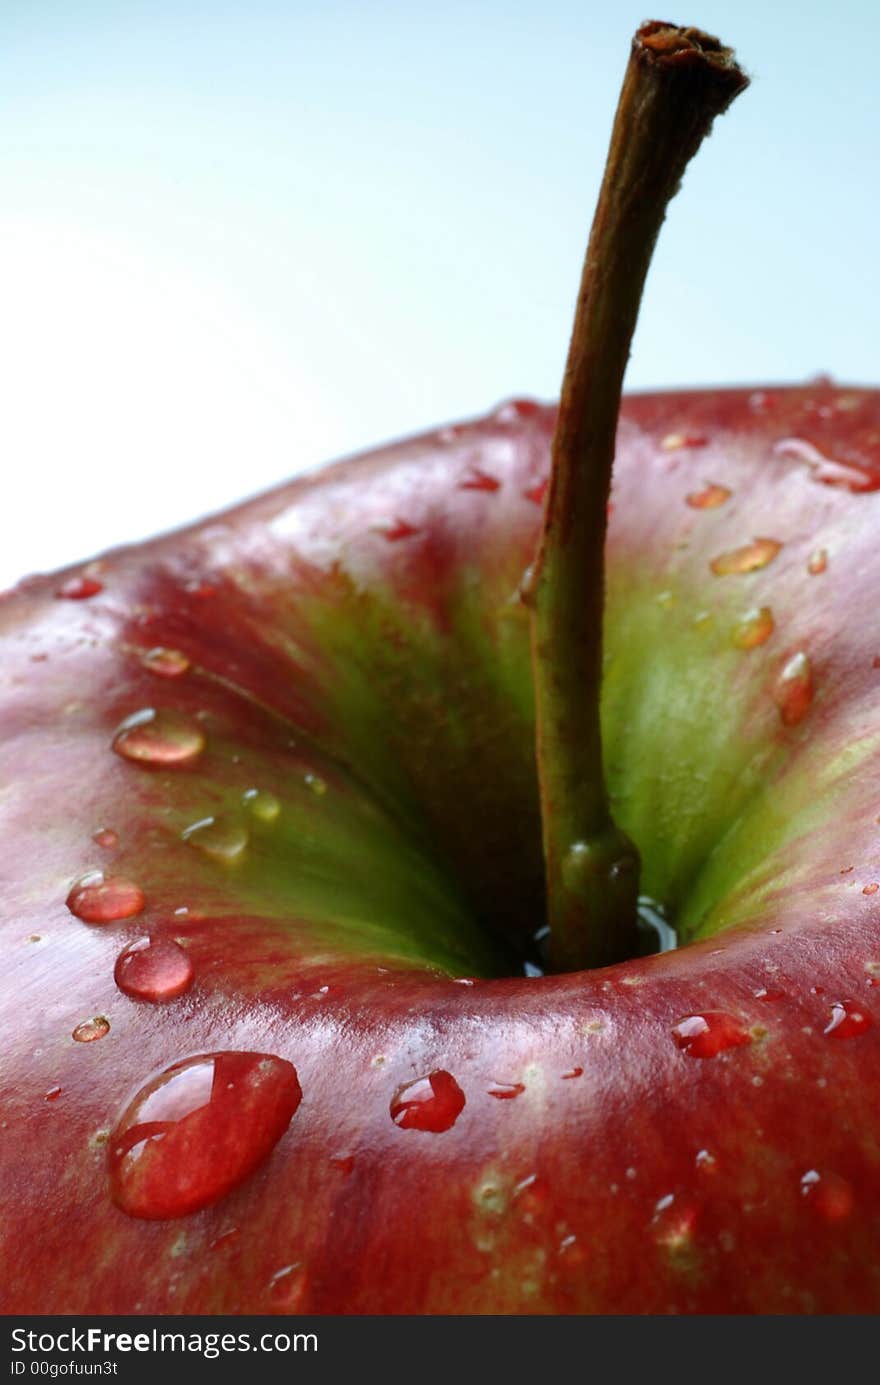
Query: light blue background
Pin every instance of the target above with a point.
(237, 239)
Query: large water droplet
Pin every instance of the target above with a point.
(223, 839)
(168, 663)
(708, 1034)
(163, 738)
(847, 1020)
(750, 558)
(95, 898)
(829, 1195)
(153, 969)
(80, 588)
(91, 1030)
(261, 804)
(429, 1103)
(198, 1130)
(709, 498)
(793, 690)
(755, 628)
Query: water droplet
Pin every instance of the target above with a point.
(674, 1222)
(828, 1194)
(198, 1130)
(79, 588)
(675, 442)
(793, 690)
(506, 1091)
(106, 837)
(53, 1093)
(263, 805)
(477, 480)
(316, 784)
(398, 530)
(762, 993)
(168, 663)
(709, 498)
(847, 1021)
(706, 1161)
(828, 471)
(707, 1035)
(871, 889)
(90, 1030)
(817, 562)
(287, 1289)
(513, 409)
(153, 969)
(429, 1103)
(96, 898)
(223, 839)
(200, 588)
(161, 738)
(755, 628)
(750, 558)
(538, 492)
(572, 1072)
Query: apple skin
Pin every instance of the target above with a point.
(354, 648)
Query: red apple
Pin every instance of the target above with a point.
(272, 860)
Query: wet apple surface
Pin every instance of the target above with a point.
(269, 803)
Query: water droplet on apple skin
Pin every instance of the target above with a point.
(398, 530)
(755, 628)
(106, 837)
(709, 498)
(681, 441)
(222, 839)
(477, 480)
(708, 1034)
(96, 898)
(198, 1130)
(167, 663)
(793, 689)
(288, 1289)
(432, 1103)
(79, 588)
(89, 1031)
(828, 1195)
(154, 970)
(261, 804)
(847, 1021)
(159, 739)
(506, 1091)
(751, 557)
(817, 562)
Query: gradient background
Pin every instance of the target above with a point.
(239, 239)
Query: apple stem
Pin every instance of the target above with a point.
(677, 80)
